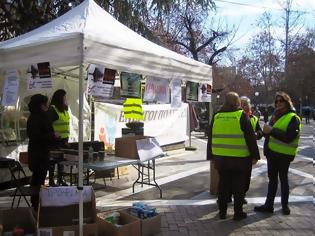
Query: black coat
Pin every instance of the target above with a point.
(233, 162)
(41, 140)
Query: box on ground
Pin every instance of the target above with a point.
(72, 230)
(128, 226)
(127, 147)
(149, 226)
(63, 220)
(18, 217)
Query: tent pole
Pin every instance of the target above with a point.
(80, 169)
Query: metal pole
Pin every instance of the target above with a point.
(80, 166)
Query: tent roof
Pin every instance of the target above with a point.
(89, 31)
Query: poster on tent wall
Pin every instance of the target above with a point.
(10, 88)
(168, 125)
(100, 81)
(39, 76)
(176, 93)
(156, 90)
(192, 91)
(204, 93)
(130, 85)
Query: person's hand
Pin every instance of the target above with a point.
(254, 161)
(267, 129)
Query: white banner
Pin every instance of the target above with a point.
(10, 88)
(168, 125)
(39, 76)
(157, 90)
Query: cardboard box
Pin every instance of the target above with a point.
(126, 146)
(18, 217)
(73, 230)
(149, 226)
(65, 214)
(128, 226)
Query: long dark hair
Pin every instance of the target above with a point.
(57, 100)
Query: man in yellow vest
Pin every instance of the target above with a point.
(281, 145)
(59, 115)
(233, 149)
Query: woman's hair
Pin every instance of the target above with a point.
(286, 99)
(232, 102)
(57, 100)
(245, 99)
(35, 103)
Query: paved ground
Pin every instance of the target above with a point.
(187, 208)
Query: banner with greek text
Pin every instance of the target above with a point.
(168, 125)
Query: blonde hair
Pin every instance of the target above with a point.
(231, 102)
(286, 98)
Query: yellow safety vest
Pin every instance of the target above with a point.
(281, 147)
(254, 121)
(133, 109)
(227, 135)
(61, 126)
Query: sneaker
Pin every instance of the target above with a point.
(239, 216)
(63, 183)
(286, 210)
(263, 208)
(222, 215)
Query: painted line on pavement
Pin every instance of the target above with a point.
(158, 202)
(128, 192)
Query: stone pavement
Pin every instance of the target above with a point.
(204, 220)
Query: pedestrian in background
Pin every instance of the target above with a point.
(60, 118)
(233, 149)
(41, 139)
(280, 147)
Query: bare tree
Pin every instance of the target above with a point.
(189, 31)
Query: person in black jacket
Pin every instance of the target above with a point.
(41, 138)
(232, 169)
(280, 147)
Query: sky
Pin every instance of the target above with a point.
(245, 14)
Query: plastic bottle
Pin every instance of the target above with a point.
(91, 151)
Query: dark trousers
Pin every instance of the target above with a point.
(278, 167)
(38, 179)
(232, 181)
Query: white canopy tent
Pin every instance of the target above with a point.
(88, 34)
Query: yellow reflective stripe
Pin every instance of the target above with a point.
(230, 146)
(276, 141)
(228, 136)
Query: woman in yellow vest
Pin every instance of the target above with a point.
(281, 143)
(233, 149)
(59, 115)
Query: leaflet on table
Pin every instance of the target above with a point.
(148, 148)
